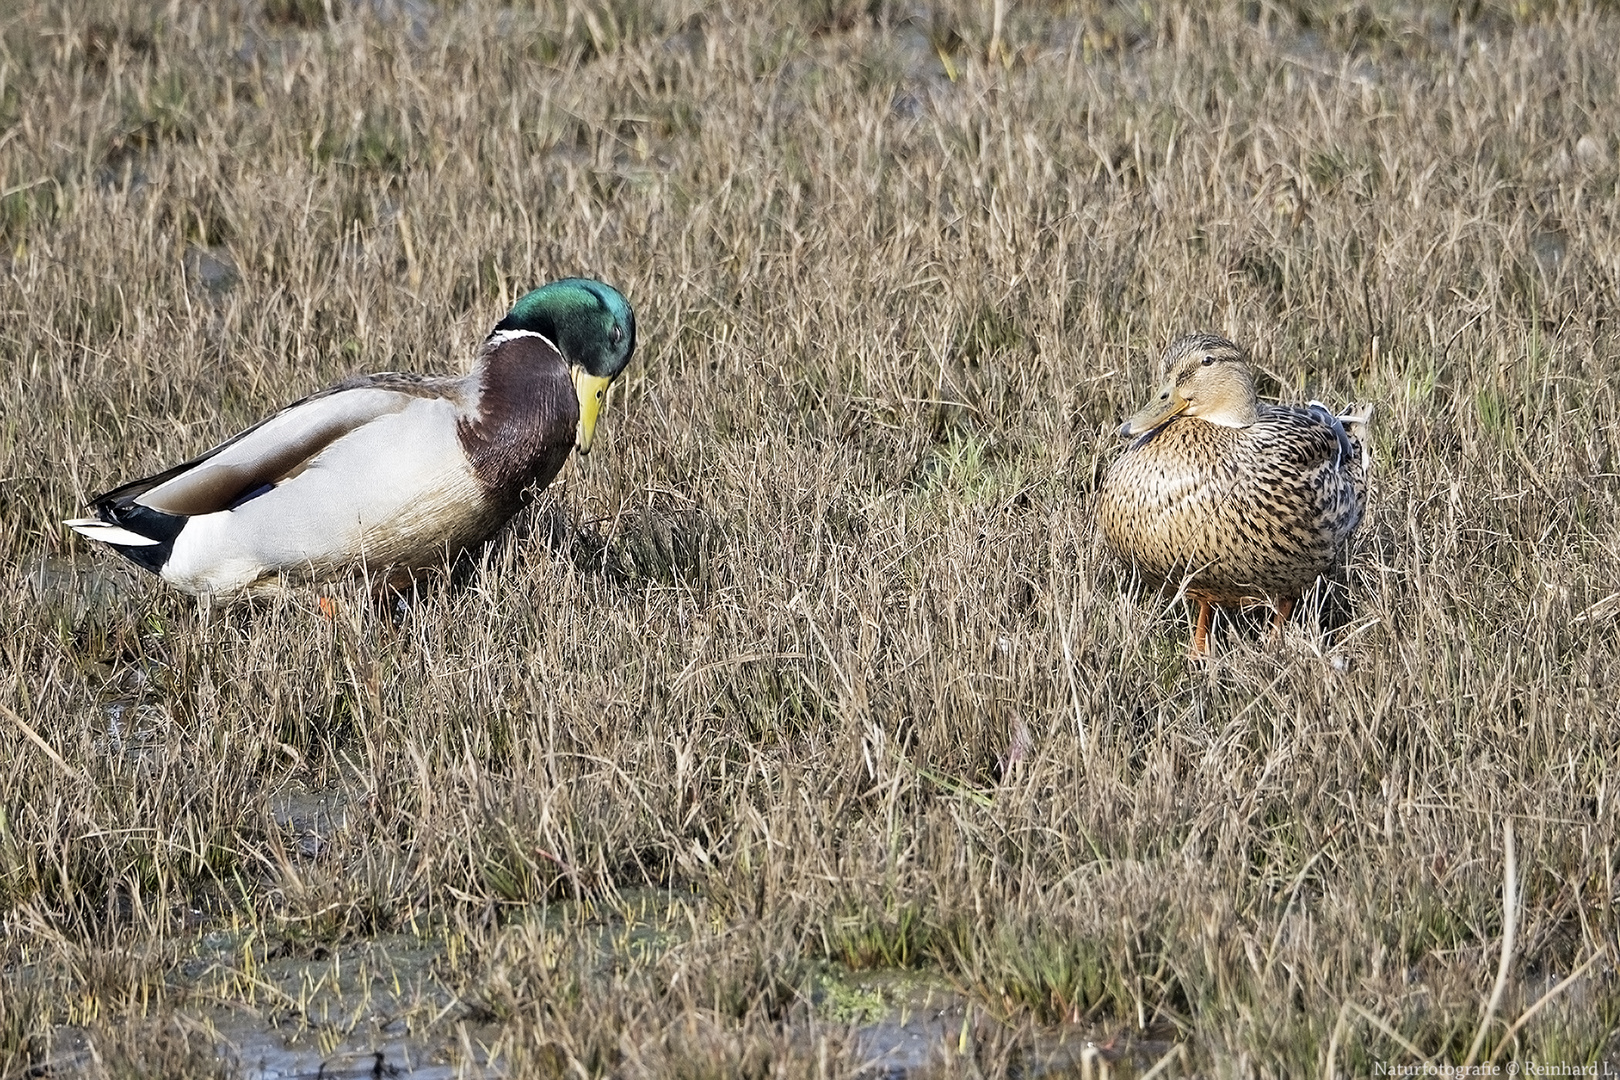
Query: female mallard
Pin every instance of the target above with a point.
(391, 473)
(1228, 499)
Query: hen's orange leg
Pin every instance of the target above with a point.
(1200, 647)
(1285, 608)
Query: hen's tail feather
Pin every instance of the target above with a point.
(1357, 421)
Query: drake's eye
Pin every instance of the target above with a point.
(615, 335)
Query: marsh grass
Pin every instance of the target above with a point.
(820, 643)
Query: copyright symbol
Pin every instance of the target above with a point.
(1513, 1068)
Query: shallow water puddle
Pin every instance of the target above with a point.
(904, 1021)
(372, 1008)
(264, 1053)
(912, 1022)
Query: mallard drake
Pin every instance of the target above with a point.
(389, 473)
(1231, 500)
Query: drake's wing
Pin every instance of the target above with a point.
(274, 449)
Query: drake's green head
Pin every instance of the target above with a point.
(593, 327)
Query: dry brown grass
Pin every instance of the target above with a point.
(771, 650)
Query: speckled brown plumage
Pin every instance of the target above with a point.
(1234, 500)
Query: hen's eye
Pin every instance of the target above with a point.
(1208, 360)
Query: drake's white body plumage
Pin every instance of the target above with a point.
(386, 474)
(417, 483)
